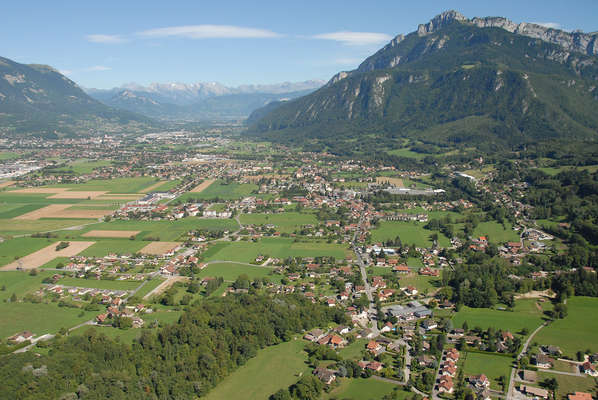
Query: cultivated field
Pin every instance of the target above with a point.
(110, 234)
(158, 248)
(273, 368)
(76, 195)
(398, 182)
(204, 185)
(62, 211)
(47, 254)
(6, 184)
(153, 187)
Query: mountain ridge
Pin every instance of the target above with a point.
(488, 85)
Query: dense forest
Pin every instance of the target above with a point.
(179, 361)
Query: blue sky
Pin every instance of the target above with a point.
(107, 43)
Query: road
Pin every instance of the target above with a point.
(510, 394)
(372, 312)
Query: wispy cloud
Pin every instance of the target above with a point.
(553, 25)
(101, 38)
(65, 71)
(98, 68)
(209, 32)
(355, 38)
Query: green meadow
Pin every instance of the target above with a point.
(274, 247)
(273, 368)
(524, 315)
(490, 365)
(409, 232)
(20, 247)
(365, 389)
(284, 222)
(230, 272)
(578, 331)
(496, 232)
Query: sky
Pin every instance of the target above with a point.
(104, 44)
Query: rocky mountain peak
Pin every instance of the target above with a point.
(440, 21)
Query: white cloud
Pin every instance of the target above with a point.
(355, 38)
(101, 38)
(98, 68)
(209, 32)
(553, 25)
(65, 71)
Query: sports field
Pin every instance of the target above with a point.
(409, 232)
(578, 331)
(273, 368)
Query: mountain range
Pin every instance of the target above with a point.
(199, 101)
(483, 81)
(37, 99)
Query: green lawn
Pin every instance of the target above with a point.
(354, 350)
(525, 315)
(492, 366)
(230, 272)
(274, 247)
(496, 232)
(99, 284)
(273, 368)
(124, 335)
(365, 389)
(409, 232)
(578, 331)
(421, 282)
(284, 222)
(20, 283)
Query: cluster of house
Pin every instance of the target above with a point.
(447, 371)
(76, 292)
(172, 266)
(331, 338)
(117, 309)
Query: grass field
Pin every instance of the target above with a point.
(149, 286)
(492, 366)
(409, 232)
(274, 247)
(364, 389)
(99, 283)
(578, 331)
(525, 315)
(284, 222)
(496, 232)
(569, 384)
(354, 350)
(273, 368)
(22, 227)
(421, 282)
(230, 272)
(38, 318)
(113, 246)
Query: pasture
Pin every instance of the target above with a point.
(524, 315)
(231, 271)
(113, 246)
(495, 232)
(47, 254)
(273, 368)
(99, 283)
(409, 232)
(273, 247)
(365, 389)
(284, 222)
(20, 247)
(490, 365)
(578, 331)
